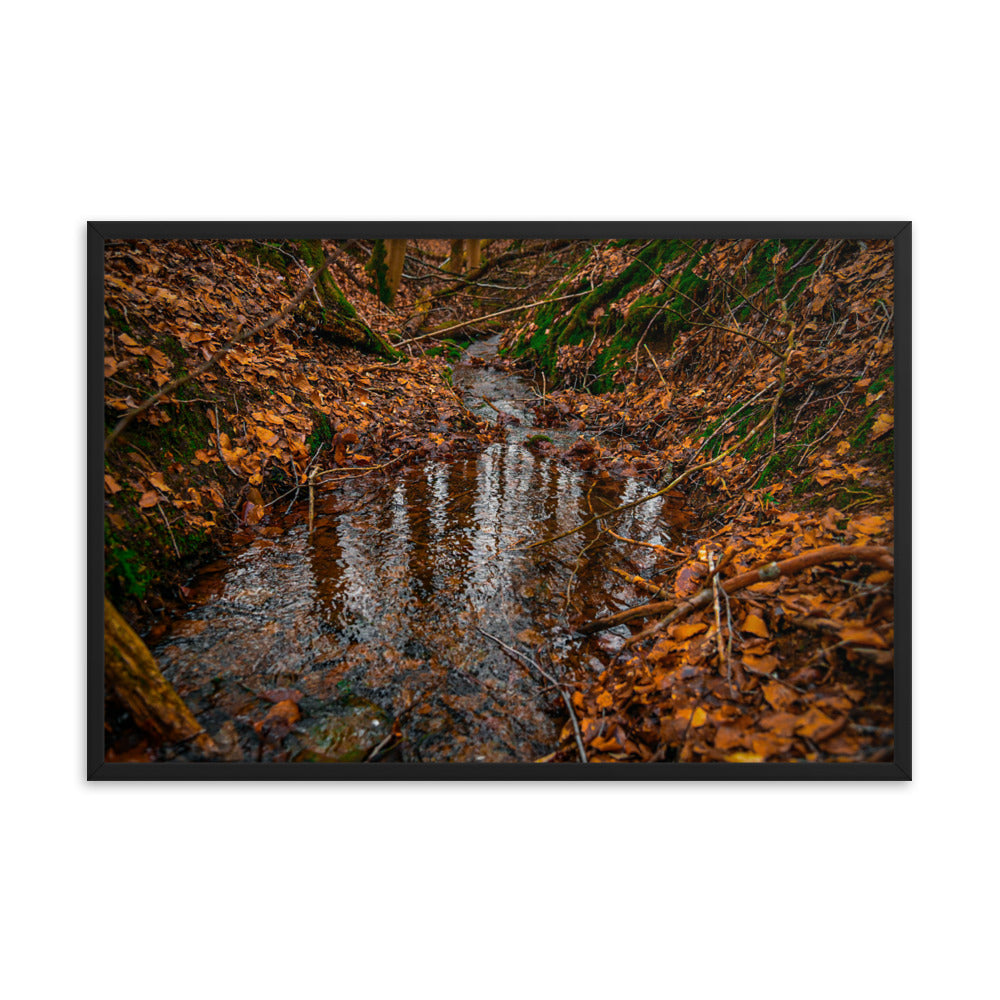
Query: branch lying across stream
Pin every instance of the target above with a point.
(442, 331)
(770, 571)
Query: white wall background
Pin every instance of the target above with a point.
(857, 110)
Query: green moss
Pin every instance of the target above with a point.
(378, 271)
(116, 318)
(322, 432)
(272, 253)
(125, 572)
(758, 276)
(451, 349)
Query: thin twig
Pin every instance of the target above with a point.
(169, 529)
(723, 659)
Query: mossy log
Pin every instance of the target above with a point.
(131, 674)
(336, 302)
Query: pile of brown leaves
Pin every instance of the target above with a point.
(806, 666)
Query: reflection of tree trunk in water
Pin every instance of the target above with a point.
(419, 515)
(132, 675)
(327, 575)
(460, 502)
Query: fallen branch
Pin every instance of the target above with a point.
(770, 571)
(504, 258)
(443, 331)
(638, 581)
(131, 674)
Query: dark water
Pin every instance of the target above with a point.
(375, 618)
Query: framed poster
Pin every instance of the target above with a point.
(499, 500)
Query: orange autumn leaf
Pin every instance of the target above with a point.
(755, 626)
(817, 725)
(110, 484)
(158, 357)
(779, 696)
(863, 636)
(762, 664)
(883, 424)
(870, 525)
(149, 499)
(156, 479)
(685, 630)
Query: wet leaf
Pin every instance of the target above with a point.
(684, 630)
(689, 580)
(149, 499)
(755, 626)
(279, 720)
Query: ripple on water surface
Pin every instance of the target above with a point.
(381, 607)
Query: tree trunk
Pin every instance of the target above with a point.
(376, 268)
(397, 254)
(473, 249)
(456, 261)
(132, 675)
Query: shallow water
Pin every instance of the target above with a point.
(375, 619)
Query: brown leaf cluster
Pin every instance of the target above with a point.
(806, 672)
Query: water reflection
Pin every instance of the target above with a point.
(385, 599)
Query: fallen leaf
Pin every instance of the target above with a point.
(685, 630)
(755, 626)
(156, 479)
(817, 725)
(779, 696)
(883, 424)
(861, 636)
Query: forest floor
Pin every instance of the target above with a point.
(753, 384)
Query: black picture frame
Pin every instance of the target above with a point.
(900, 768)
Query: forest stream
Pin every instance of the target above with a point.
(388, 625)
